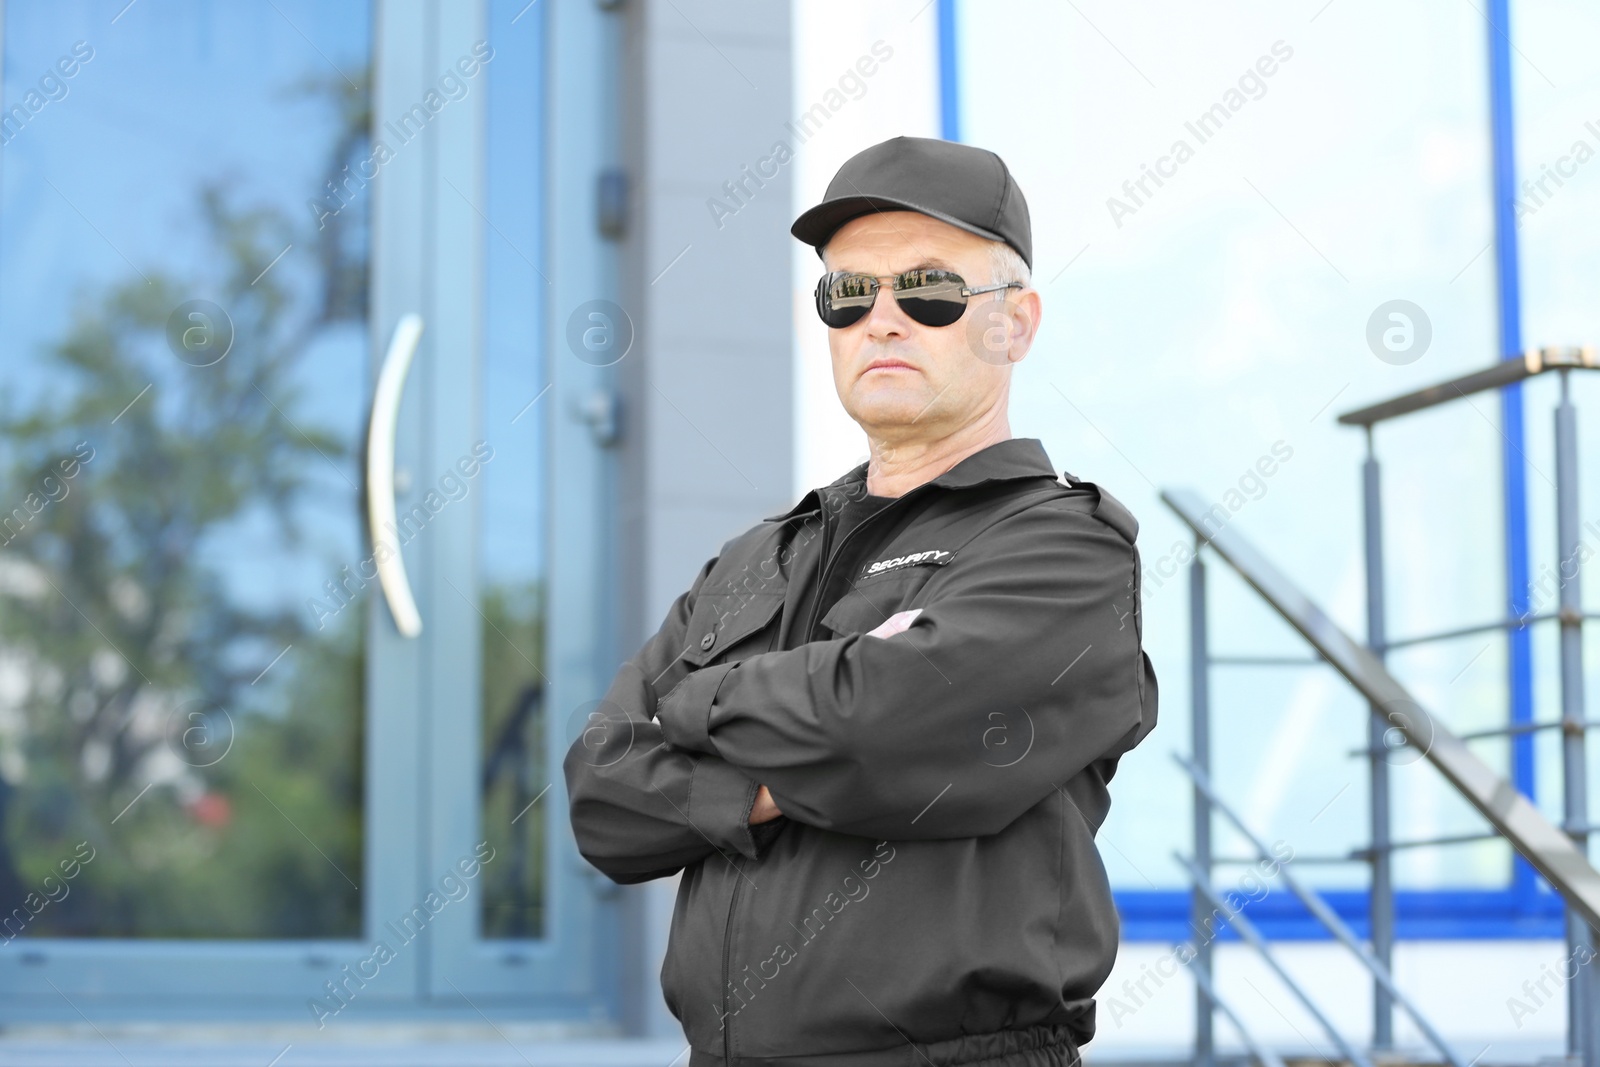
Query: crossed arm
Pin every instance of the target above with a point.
(1023, 668)
(640, 808)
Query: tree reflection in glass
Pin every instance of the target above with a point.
(165, 693)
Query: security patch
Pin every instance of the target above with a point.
(913, 559)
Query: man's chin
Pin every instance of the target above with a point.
(887, 409)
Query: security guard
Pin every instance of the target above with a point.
(876, 733)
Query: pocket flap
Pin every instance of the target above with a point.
(867, 604)
(721, 620)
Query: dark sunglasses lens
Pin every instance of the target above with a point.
(842, 299)
(931, 297)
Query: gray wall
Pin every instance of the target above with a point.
(706, 391)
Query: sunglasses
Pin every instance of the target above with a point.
(932, 297)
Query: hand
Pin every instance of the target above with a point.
(765, 810)
(898, 623)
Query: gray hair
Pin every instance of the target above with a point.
(1005, 264)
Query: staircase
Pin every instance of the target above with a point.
(1558, 855)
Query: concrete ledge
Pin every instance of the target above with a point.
(509, 1045)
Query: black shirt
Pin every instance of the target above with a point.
(841, 514)
(853, 514)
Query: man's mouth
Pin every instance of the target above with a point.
(888, 364)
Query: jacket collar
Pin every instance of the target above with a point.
(1018, 457)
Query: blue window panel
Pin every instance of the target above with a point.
(1455, 915)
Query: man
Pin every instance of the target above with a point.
(875, 734)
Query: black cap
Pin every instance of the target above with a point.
(955, 183)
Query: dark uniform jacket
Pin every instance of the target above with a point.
(932, 893)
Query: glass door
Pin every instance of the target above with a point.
(519, 587)
(183, 359)
(266, 741)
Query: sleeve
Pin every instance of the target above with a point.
(639, 808)
(1023, 667)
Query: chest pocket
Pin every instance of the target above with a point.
(872, 600)
(722, 622)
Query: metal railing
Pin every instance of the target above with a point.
(1559, 855)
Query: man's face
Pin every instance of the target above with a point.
(904, 382)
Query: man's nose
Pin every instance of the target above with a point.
(884, 318)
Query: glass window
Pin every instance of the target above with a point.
(1222, 207)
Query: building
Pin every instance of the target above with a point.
(289, 756)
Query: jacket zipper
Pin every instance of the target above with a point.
(827, 560)
(727, 964)
(733, 898)
(827, 531)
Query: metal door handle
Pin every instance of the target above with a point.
(380, 472)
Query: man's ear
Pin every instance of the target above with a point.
(1025, 309)
(1001, 331)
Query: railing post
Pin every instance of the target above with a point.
(1200, 751)
(1380, 905)
(1583, 1004)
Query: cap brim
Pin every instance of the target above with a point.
(818, 225)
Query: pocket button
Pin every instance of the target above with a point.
(707, 641)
